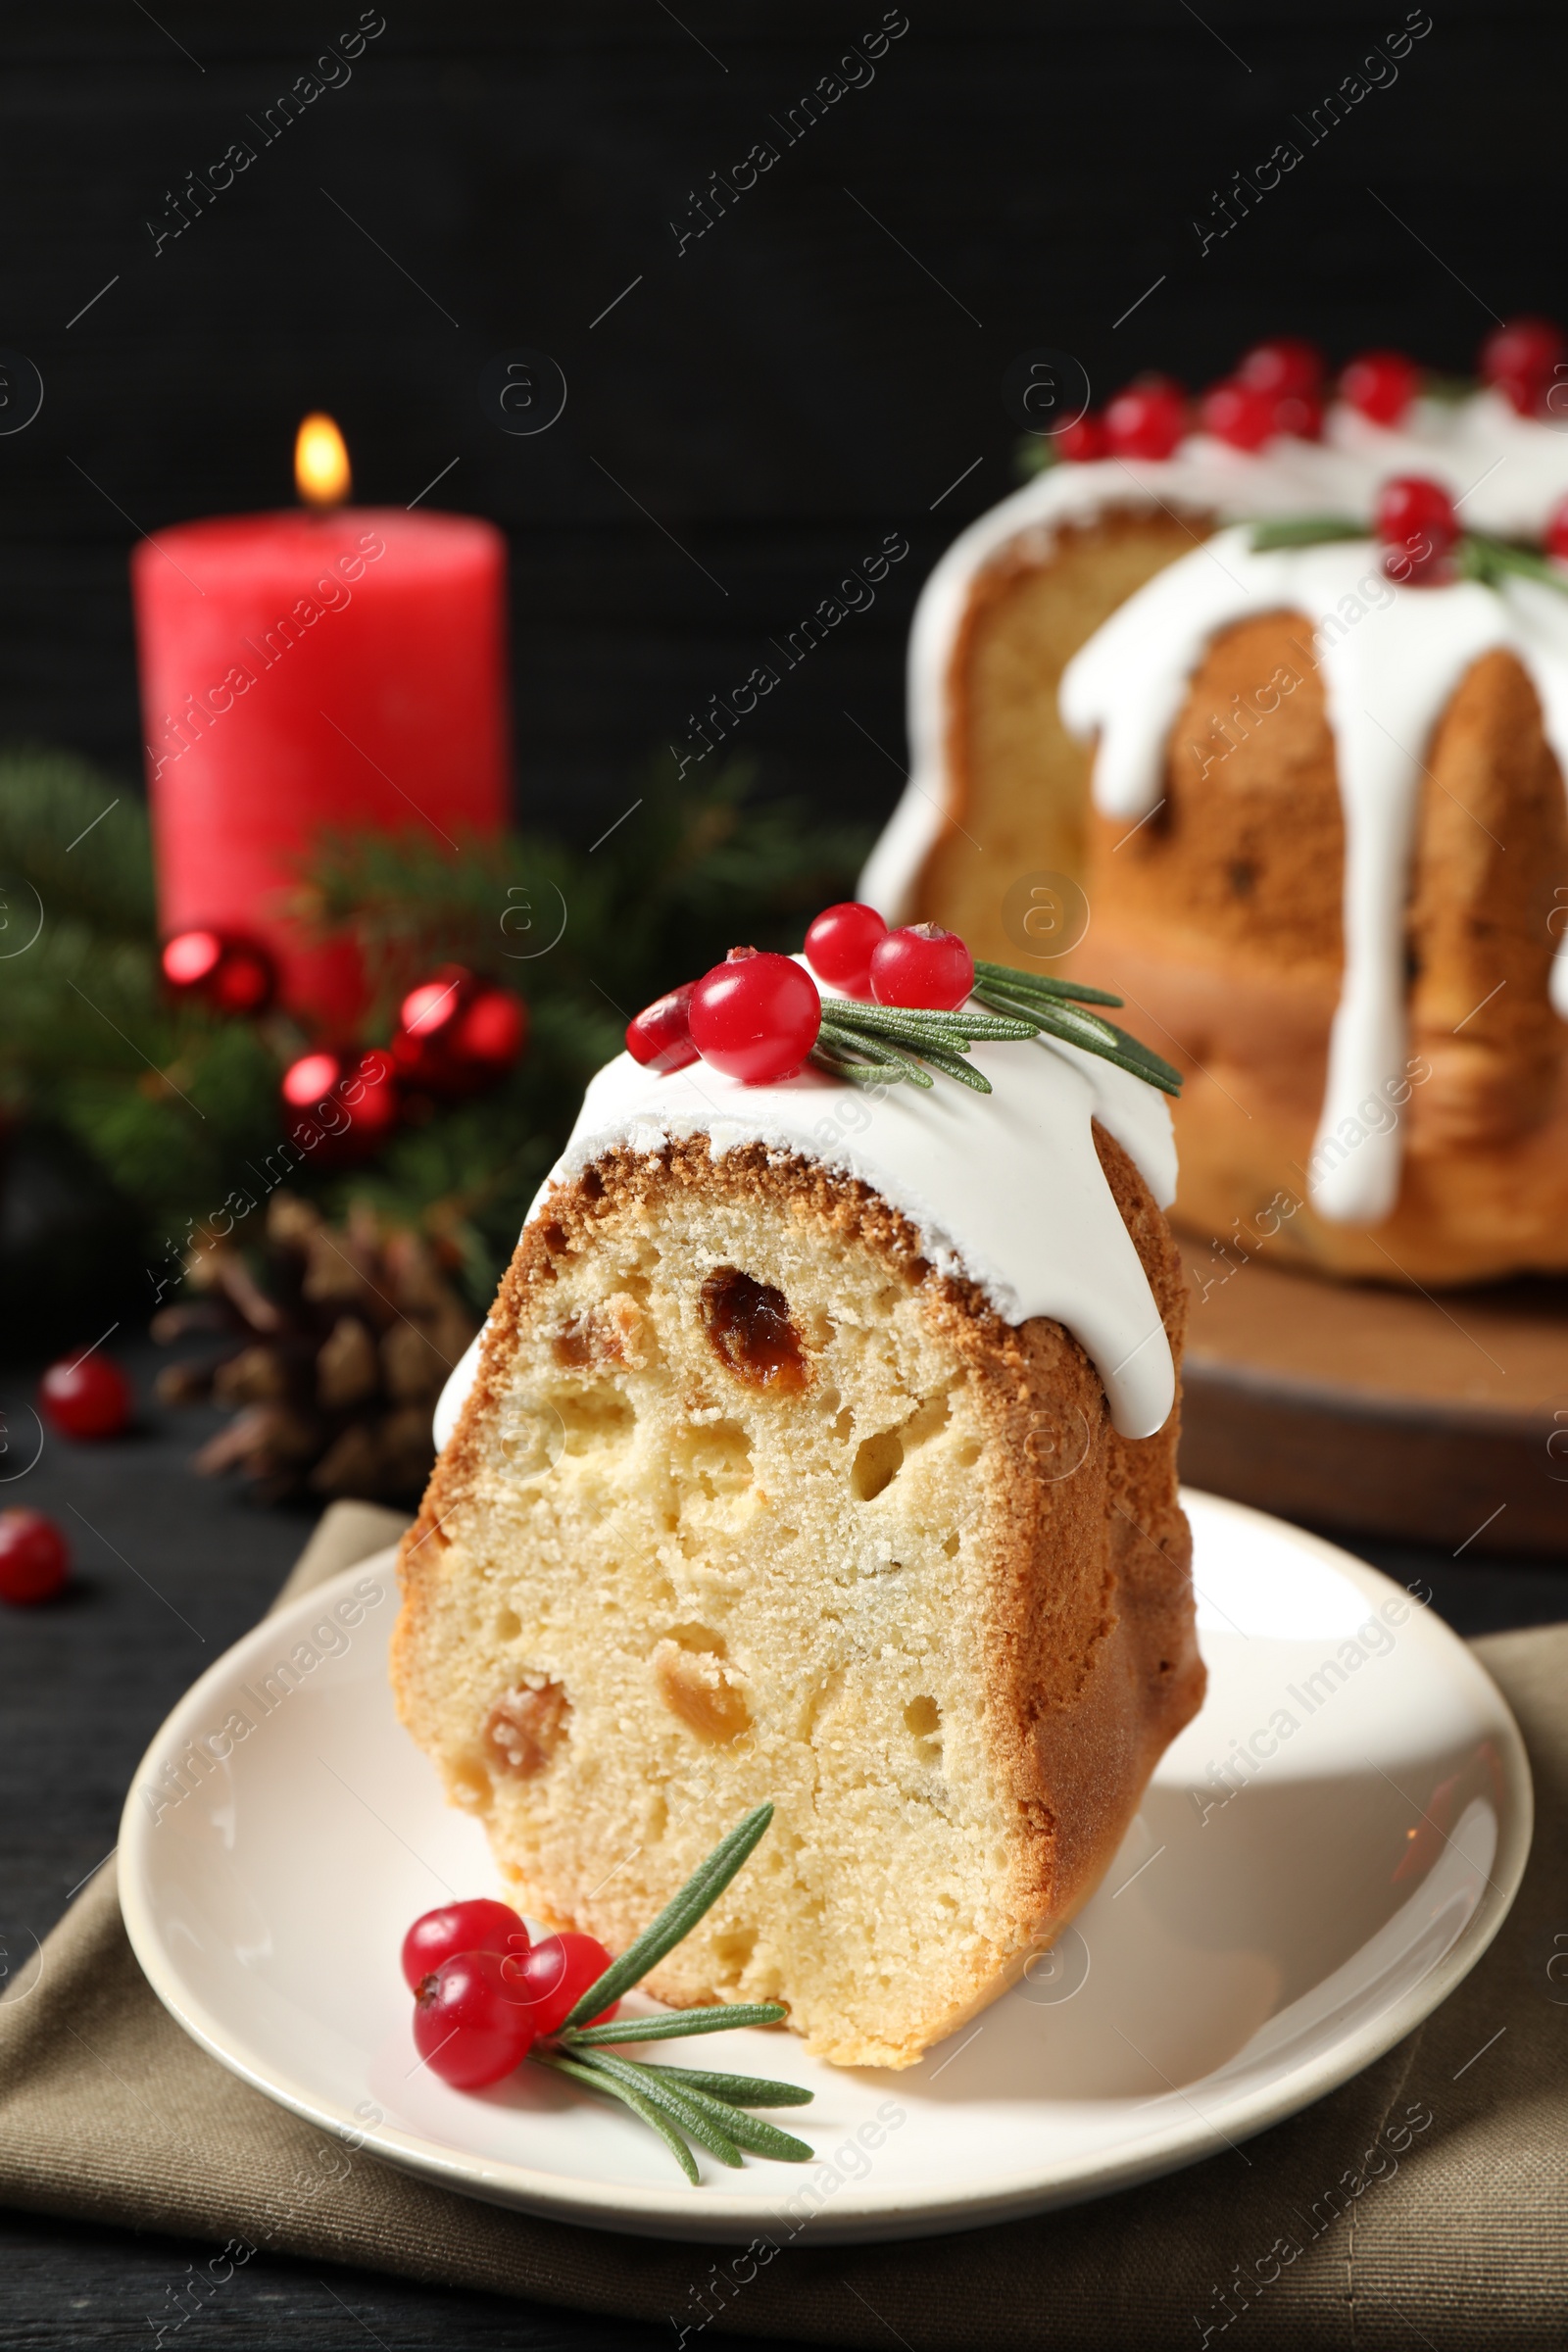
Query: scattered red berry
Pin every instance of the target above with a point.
(661, 1037)
(471, 2027)
(1415, 520)
(553, 1975)
(33, 1559)
(923, 968)
(1239, 414)
(1557, 532)
(1382, 384)
(755, 1016)
(1148, 420)
(839, 943)
(1521, 359)
(233, 975)
(1084, 442)
(86, 1396)
(1285, 364)
(481, 1926)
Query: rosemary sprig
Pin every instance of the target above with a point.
(1476, 557)
(883, 1045)
(681, 2103)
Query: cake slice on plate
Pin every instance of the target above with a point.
(822, 1448)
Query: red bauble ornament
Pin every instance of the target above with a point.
(35, 1561)
(923, 968)
(1521, 359)
(1084, 442)
(1239, 414)
(457, 1032)
(86, 1396)
(1382, 384)
(755, 1016)
(1148, 420)
(553, 1977)
(1415, 520)
(1285, 364)
(481, 1926)
(660, 1035)
(340, 1107)
(471, 2027)
(231, 974)
(1557, 532)
(839, 946)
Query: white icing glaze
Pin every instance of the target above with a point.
(1004, 1188)
(1387, 676)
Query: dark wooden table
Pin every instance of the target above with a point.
(170, 1570)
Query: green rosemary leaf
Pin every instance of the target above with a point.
(676, 2026)
(862, 1074)
(723, 2116)
(683, 2108)
(891, 1060)
(952, 1065)
(1168, 1080)
(1007, 975)
(904, 1020)
(742, 2090)
(677, 1919)
(1490, 560)
(596, 2079)
(1306, 531)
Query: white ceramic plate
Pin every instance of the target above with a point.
(1259, 1937)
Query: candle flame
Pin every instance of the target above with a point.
(322, 463)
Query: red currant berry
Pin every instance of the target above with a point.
(469, 2024)
(755, 1017)
(1557, 532)
(1084, 442)
(88, 1396)
(923, 968)
(1521, 357)
(1382, 384)
(481, 1926)
(490, 1032)
(1148, 420)
(839, 946)
(33, 1559)
(1285, 364)
(1299, 413)
(1239, 414)
(553, 1977)
(661, 1037)
(1415, 520)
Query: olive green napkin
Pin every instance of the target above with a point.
(1423, 2203)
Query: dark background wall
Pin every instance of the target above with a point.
(798, 381)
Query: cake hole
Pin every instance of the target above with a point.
(922, 1720)
(527, 1725)
(1242, 878)
(749, 1331)
(716, 1458)
(533, 1437)
(656, 1820)
(843, 1426)
(593, 1183)
(591, 1418)
(508, 1625)
(733, 1949)
(701, 1690)
(470, 1785)
(968, 1454)
(878, 1463)
(950, 1545)
(554, 1238)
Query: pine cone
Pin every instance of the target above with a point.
(335, 1355)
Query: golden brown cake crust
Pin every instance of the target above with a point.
(1097, 1664)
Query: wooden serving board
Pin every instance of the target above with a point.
(1442, 1419)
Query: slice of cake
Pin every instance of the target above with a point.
(821, 1448)
(1290, 772)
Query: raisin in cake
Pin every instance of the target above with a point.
(1318, 814)
(823, 1450)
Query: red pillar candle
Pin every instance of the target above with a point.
(302, 671)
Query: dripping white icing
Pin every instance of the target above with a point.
(1387, 678)
(1004, 1188)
